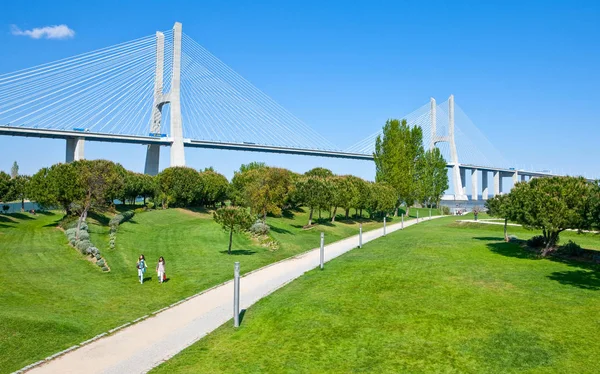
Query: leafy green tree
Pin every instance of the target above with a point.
(252, 166)
(266, 190)
(397, 155)
(101, 181)
(42, 189)
(4, 186)
(14, 170)
(233, 219)
(19, 189)
(500, 206)
(315, 193)
(214, 186)
(553, 205)
(381, 199)
(432, 177)
(344, 194)
(319, 172)
(179, 186)
(67, 185)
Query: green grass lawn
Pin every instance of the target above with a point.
(52, 297)
(440, 297)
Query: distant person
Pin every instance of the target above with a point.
(160, 269)
(141, 266)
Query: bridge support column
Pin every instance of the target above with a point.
(463, 181)
(474, 185)
(152, 159)
(74, 149)
(523, 178)
(177, 149)
(484, 185)
(515, 177)
(497, 183)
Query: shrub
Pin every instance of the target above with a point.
(93, 250)
(83, 245)
(71, 231)
(150, 205)
(571, 249)
(259, 228)
(104, 268)
(84, 235)
(100, 262)
(536, 241)
(445, 210)
(97, 255)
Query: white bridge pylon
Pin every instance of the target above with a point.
(173, 98)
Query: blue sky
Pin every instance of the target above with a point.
(526, 73)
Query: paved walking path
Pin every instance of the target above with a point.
(145, 345)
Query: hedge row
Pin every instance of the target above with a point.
(84, 245)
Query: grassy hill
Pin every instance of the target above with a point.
(53, 298)
(438, 297)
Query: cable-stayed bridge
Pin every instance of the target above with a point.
(167, 90)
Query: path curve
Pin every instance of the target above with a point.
(140, 347)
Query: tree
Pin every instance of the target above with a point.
(252, 166)
(42, 189)
(500, 206)
(4, 186)
(314, 192)
(214, 187)
(553, 205)
(397, 156)
(101, 181)
(19, 189)
(237, 188)
(14, 170)
(432, 177)
(319, 172)
(179, 186)
(233, 219)
(344, 194)
(381, 199)
(266, 190)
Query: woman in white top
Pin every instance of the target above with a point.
(160, 269)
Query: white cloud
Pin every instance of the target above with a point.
(46, 32)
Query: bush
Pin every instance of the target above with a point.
(536, 241)
(445, 210)
(84, 235)
(150, 205)
(259, 228)
(104, 268)
(97, 255)
(83, 245)
(71, 231)
(94, 250)
(571, 249)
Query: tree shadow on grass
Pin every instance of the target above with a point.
(510, 250)
(3, 225)
(240, 252)
(22, 216)
(588, 280)
(280, 230)
(7, 219)
(488, 238)
(100, 218)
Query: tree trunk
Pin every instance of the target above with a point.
(506, 229)
(360, 212)
(230, 240)
(396, 212)
(347, 213)
(333, 215)
(310, 217)
(22, 204)
(81, 219)
(144, 200)
(407, 210)
(264, 216)
(319, 213)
